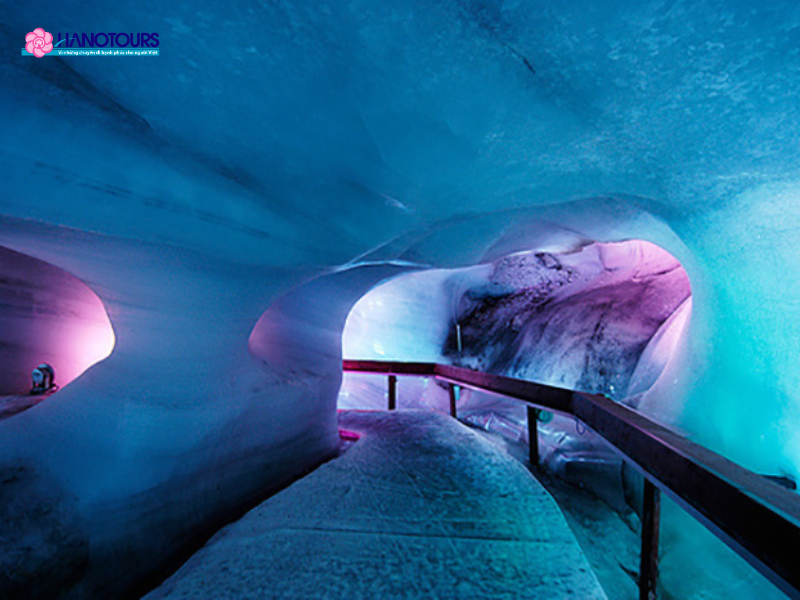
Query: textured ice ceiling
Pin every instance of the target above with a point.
(270, 144)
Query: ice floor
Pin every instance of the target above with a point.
(420, 506)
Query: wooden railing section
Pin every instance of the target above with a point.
(756, 517)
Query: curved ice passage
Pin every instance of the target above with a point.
(47, 315)
(606, 318)
(602, 318)
(194, 190)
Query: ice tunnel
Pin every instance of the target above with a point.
(47, 316)
(598, 194)
(602, 318)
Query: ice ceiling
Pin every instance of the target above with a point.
(271, 148)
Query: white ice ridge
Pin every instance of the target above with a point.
(419, 507)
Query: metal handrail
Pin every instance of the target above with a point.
(757, 518)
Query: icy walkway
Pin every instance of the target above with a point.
(420, 506)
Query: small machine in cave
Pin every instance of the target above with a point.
(43, 378)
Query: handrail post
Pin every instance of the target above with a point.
(453, 398)
(651, 518)
(392, 392)
(533, 435)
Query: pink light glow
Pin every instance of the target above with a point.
(350, 436)
(47, 316)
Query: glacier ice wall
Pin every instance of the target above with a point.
(192, 190)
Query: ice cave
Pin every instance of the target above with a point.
(558, 240)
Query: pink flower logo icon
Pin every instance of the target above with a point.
(39, 42)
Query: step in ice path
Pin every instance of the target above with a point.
(420, 507)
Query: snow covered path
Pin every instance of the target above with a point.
(420, 506)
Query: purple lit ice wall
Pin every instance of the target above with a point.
(47, 316)
(579, 320)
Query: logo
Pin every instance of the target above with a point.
(39, 42)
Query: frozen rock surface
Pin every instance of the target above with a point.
(420, 506)
(579, 320)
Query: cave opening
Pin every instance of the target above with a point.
(47, 317)
(600, 318)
